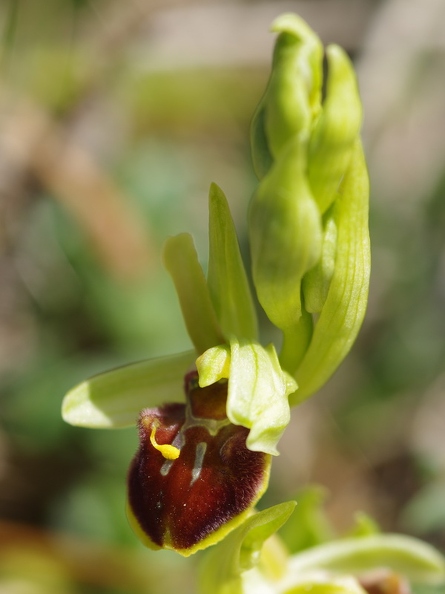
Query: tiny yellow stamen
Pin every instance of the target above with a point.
(168, 451)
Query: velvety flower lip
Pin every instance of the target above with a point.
(182, 502)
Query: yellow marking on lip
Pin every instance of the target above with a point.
(168, 451)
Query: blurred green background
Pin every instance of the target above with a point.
(114, 119)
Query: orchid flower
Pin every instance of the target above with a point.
(210, 419)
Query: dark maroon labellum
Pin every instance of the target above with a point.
(181, 495)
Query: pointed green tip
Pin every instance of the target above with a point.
(227, 279)
(79, 410)
(293, 24)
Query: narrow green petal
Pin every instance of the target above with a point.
(227, 280)
(181, 260)
(258, 395)
(213, 365)
(334, 135)
(223, 568)
(408, 556)
(345, 306)
(115, 398)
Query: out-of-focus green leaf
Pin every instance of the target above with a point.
(364, 526)
(115, 398)
(408, 556)
(308, 526)
(324, 585)
(426, 510)
(223, 567)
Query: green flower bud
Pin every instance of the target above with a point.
(308, 224)
(292, 97)
(285, 235)
(335, 131)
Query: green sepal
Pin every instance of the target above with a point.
(213, 365)
(181, 261)
(258, 390)
(336, 130)
(408, 556)
(285, 236)
(226, 277)
(345, 305)
(115, 398)
(227, 566)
